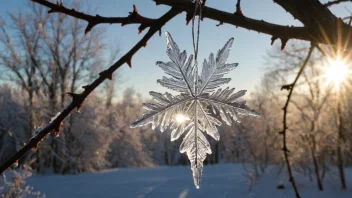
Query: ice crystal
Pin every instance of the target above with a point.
(200, 105)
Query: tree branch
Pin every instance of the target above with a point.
(277, 31)
(133, 18)
(290, 88)
(77, 99)
(323, 26)
(325, 30)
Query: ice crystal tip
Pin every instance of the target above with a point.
(197, 174)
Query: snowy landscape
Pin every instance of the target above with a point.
(225, 180)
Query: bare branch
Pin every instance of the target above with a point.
(77, 99)
(320, 27)
(241, 21)
(330, 3)
(323, 26)
(133, 18)
(290, 87)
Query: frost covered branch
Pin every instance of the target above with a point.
(77, 99)
(290, 88)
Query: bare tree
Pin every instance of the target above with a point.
(47, 56)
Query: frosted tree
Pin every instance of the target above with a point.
(127, 148)
(48, 57)
(11, 134)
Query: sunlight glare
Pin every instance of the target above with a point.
(180, 118)
(337, 72)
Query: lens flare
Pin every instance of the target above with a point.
(337, 72)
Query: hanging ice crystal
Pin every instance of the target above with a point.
(199, 106)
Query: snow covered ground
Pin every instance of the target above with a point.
(226, 180)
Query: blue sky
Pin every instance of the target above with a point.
(248, 50)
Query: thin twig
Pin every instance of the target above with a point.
(238, 8)
(290, 87)
(330, 3)
(77, 99)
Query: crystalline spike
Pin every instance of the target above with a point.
(172, 49)
(233, 113)
(178, 68)
(164, 121)
(197, 175)
(237, 95)
(159, 97)
(170, 69)
(150, 106)
(183, 57)
(224, 94)
(228, 95)
(224, 116)
(223, 54)
(169, 97)
(173, 84)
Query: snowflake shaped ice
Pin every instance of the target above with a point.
(199, 106)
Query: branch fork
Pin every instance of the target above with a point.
(134, 15)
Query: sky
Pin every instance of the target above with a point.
(249, 48)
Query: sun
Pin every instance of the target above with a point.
(337, 72)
